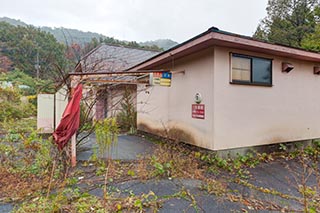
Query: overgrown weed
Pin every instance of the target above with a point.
(27, 161)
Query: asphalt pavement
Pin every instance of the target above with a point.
(274, 184)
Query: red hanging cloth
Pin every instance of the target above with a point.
(70, 121)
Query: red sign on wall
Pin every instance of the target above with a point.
(198, 111)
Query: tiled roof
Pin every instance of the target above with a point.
(114, 58)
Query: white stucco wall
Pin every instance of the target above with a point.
(45, 110)
(61, 103)
(45, 113)
(246, 115)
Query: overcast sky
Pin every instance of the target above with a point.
(140, 20)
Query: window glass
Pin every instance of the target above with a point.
(251, 70)
(261, 70)
(241, 68)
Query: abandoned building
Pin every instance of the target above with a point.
(229, 91)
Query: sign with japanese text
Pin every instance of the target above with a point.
(161, 78)
(198, 111)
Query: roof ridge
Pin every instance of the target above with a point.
(129, 47)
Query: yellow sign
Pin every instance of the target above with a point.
(161, 78)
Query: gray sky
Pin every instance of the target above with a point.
(140, 20)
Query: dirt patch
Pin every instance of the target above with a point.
(16, 186)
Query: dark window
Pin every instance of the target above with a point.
(251, 70)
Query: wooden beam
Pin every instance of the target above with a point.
(115, 81)
(87, 75)
(107, 73)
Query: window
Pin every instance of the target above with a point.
(251, 70)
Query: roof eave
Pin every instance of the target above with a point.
(244, 43)
(218, 38)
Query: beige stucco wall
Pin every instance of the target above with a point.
(256, 115)
(236, 115)
(109, 100)
(167, 110)
(116, 97)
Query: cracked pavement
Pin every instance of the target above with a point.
(271, 187)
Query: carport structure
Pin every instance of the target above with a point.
(104, 77)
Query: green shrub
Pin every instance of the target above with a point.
(12, 110)
(106, 134)
(9, 95)
(127, 117)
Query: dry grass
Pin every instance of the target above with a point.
(17, 186)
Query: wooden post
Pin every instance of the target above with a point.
(73, 150)
(74, 82)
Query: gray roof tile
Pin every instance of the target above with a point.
(112, 58)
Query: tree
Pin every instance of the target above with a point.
(312, 41)
(23, 44)
(288, 22)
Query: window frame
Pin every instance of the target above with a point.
(251, 82)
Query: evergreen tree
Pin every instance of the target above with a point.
(312, 41)
(288, 22)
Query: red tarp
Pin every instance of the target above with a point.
(70, 121)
